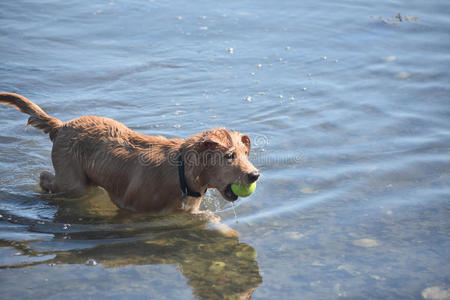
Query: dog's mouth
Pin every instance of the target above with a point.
(229, 195)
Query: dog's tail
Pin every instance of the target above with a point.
(38, 118)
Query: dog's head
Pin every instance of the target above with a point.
(223, 157)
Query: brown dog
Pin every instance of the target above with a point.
(139, 172)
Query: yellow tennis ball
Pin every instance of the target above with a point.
(243, 190)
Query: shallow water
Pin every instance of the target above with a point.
(348, 110)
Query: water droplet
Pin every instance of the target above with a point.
(230, 50)
(259, 65)
(252, 73)
(287, 48)
(324, 58)
(248, 98)
(204, 28)
(280, 96)
(179, 18)
(235, 216)
(292, 98)
(303, 89)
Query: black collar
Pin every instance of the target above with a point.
(184, 187)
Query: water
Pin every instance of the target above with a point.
(348, 111)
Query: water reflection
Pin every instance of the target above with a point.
(210, 257)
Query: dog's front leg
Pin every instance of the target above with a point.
(46, 181)
(192, 205)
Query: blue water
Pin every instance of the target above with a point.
(346, 103)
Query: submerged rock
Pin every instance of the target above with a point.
(402, 75)
(368, 243)
(217, 266)
(436, 293)
(90, 262)
(388, 58)
(308, 190)
(294, 235)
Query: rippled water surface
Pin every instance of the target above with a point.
(346, 102)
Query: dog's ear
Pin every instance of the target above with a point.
(208, 144)
(216, 139)
(246, 141)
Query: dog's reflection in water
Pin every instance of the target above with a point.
(209, 255)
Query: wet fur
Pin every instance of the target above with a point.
(137, 170)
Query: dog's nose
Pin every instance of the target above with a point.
(253, 176)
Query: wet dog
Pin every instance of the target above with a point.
(139, 172)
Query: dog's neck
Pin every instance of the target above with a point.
(192, 177)
(185, 189)
(192, 170)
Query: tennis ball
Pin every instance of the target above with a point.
(243, 190)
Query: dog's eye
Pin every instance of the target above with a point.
(231, 155)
